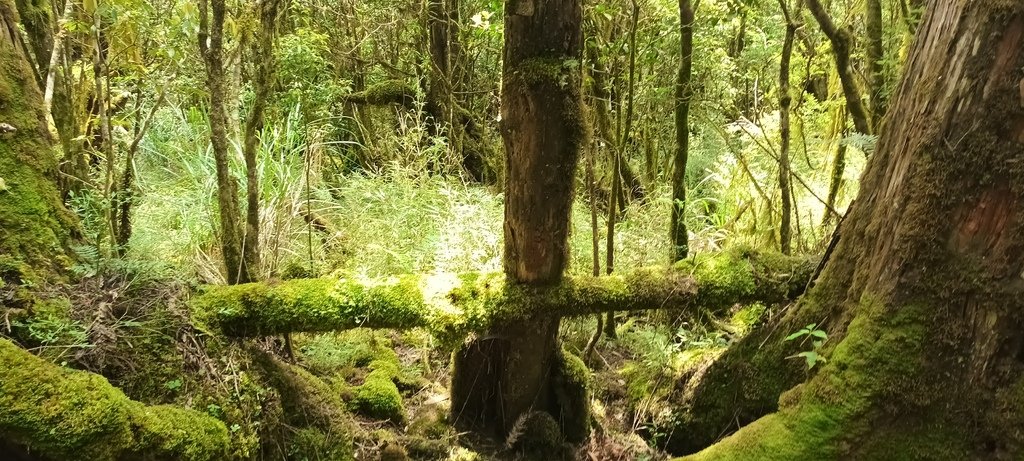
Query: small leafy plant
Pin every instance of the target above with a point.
(817, 337)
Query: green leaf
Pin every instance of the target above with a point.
(811, 357)
(820, 334)
(795, 335)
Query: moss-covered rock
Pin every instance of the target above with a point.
(538, 436)
(74, 415)
(571, 382)
(378, 397)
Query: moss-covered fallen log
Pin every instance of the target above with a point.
(456, 304)
(58, 413)
(382, 94)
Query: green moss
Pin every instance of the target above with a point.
(312, 444)
(747, 317)
(339, 353)
(424, 448)
(33, 222)
(73, 415)
(430, 422)
(544, 70)
(388, 92)
(571, 382)
(836, 414)
(378, 398)
(537, 436)
(313, 305)
(451, 306)
(306, 400)
(393, 452)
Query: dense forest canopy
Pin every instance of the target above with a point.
(529, 229)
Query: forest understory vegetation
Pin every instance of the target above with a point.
(350, 394)
(521, 230)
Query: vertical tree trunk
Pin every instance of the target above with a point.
(447, 81)
(33, 223)
(841, 49)
(838, 171)
(37, 17)
(263, 53)
(923, 295)
(875, 54)
(785, 101)
(211, 46)
(443, 47)
(510, 371)
(684, 93)
(126, 193)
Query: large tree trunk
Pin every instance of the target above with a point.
(508, 373)
(34, 226)
(922, 299)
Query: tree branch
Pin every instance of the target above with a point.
(453, 305)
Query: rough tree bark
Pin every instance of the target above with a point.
(33, 222)
(508, 372)
(211, 47)
(922, 298)
(678, 232)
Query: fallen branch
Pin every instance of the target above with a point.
(452, 305)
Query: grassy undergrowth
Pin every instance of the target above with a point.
(356, 394)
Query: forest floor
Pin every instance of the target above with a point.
(314, 401)
(358, 394)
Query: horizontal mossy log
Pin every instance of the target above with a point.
(453, 305)
(65, 414)
(381, 94)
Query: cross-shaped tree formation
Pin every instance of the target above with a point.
(921, 290)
